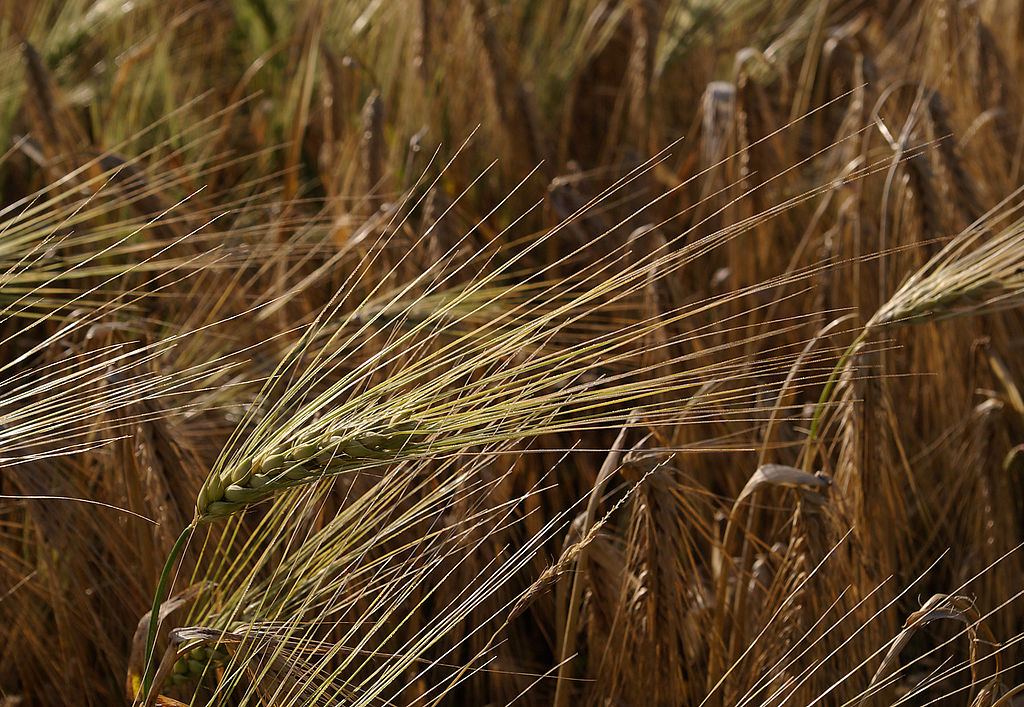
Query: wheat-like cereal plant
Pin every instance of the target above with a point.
(977, 272)
(464, 395)
(502, 353)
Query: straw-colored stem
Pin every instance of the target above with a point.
(568, 646)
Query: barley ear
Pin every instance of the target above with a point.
(295, 462)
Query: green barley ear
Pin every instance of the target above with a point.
(965, 278)
(333, 451)
(531, 366)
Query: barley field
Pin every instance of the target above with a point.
(509, 352)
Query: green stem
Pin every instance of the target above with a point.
(154, 616)
(826, 394)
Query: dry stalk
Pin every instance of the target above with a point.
(588, 530)
(424, 39)
(644, 23)
(371, 148)
(729, 613)
(511, 99)
(962, 189)
(929, 223)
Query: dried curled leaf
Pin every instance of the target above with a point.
(136, 662)
(781, 475)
